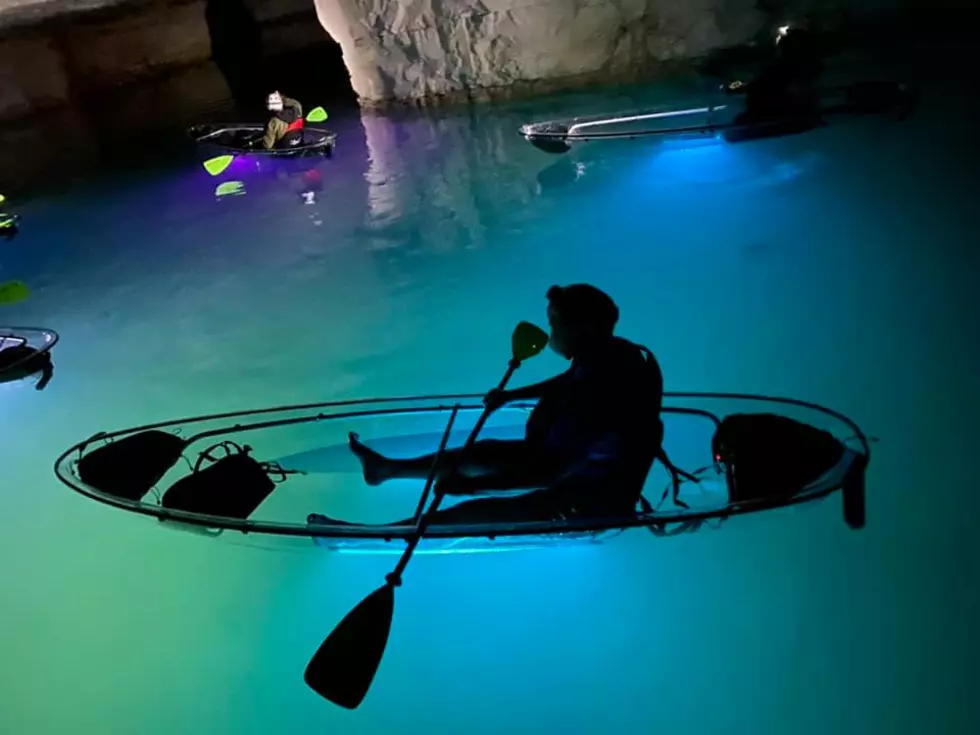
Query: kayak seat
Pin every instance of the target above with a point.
(232, 487)
(129, 468)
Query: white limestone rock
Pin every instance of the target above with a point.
(417, 49)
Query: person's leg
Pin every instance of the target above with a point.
(290, 139)
(484, 457)
(535, 506)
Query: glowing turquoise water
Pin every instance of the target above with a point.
(837, 267)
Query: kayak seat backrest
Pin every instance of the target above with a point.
(771, 456)
(232, 487)
(128, 468)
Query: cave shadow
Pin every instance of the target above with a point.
(236, 49)
(315, 75)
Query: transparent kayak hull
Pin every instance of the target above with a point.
(723, 117)
(20, 348)
(232, 138)
(306, 449)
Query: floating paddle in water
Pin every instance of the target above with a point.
(217, 166)
(13, 292)
(344, 666)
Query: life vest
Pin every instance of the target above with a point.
(297, 124)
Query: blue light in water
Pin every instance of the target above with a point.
(695, 143)
(489, 549)
(465, 545)
(705, 160)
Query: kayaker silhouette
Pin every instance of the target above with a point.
(589, 442)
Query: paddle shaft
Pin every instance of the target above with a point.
(395, 577)
(430, 480)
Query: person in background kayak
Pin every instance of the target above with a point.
(285, 127)
(786, 87)
(589, 442)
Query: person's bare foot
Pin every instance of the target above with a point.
(372, 463)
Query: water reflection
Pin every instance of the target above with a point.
(441, 162)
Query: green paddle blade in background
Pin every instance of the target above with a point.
(12, 292)
(317, 115)
(216, 166)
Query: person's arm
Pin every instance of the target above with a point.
(290, 102)
(536, 390)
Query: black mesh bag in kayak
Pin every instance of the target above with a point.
(128, 468)
(773, 457)
(231, 487)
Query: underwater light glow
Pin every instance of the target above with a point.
(449, 551)
(681, 143)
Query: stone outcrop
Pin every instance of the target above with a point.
(421, 49)
(56, 58)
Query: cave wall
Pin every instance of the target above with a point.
(47, 63)
(425, 49)
(416, 49)
(53, 52)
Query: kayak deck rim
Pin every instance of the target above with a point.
(854, 461)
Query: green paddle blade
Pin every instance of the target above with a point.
(528, 341)
(343, 668)
(317, 115)
(2, 198)
(13, 291)
(215, 166)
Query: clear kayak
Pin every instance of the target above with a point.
(25, 352)
(723, 117)
(8, 225)
(240, 138)
(266, 473)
